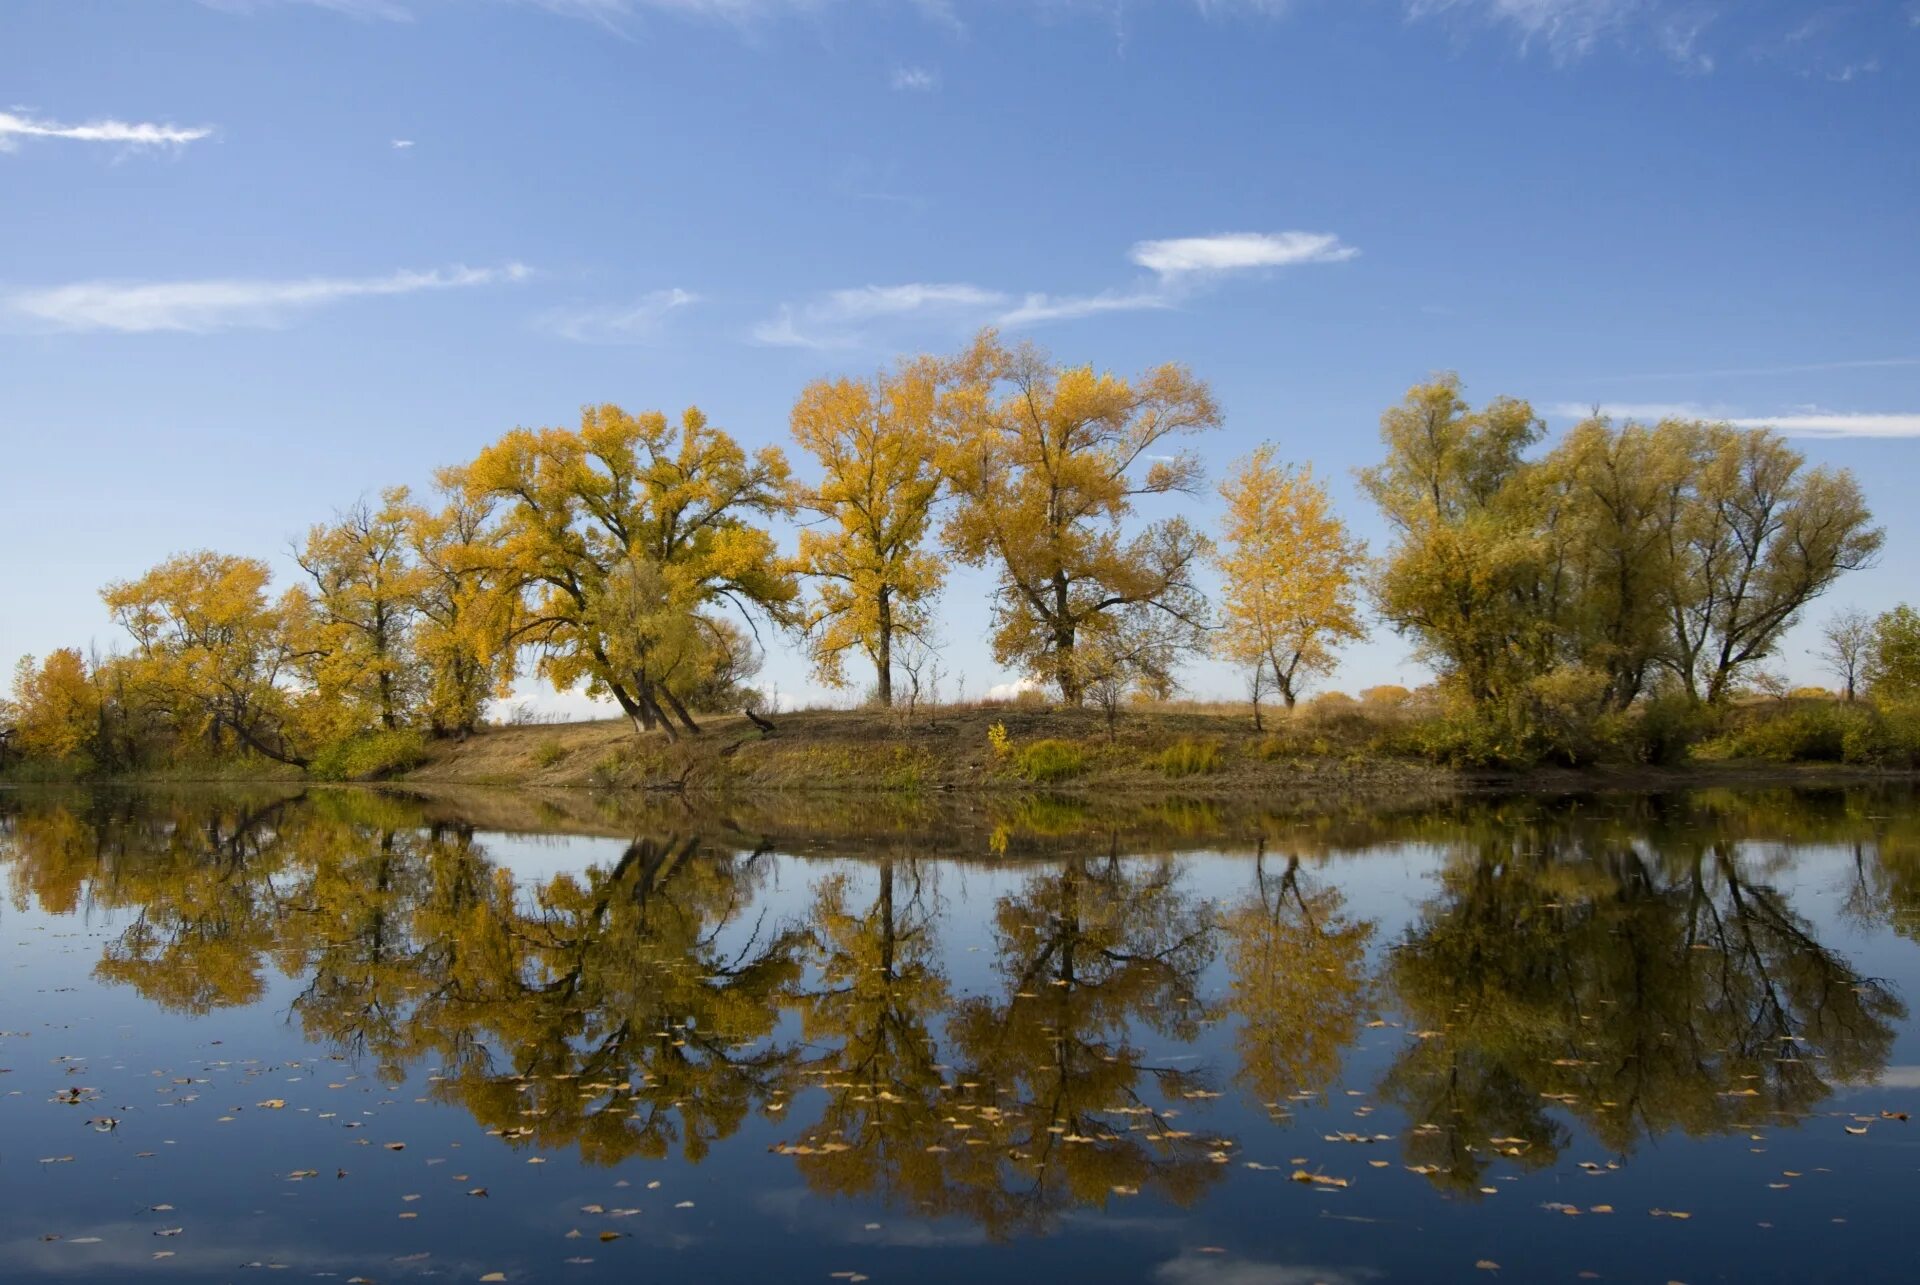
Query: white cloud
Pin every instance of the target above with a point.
(1819, 423)
(885, 301)
(783, 331)
(617, 323)
(222, 304)
(1036, 308)
(915, 79)
(831, 320)
(1567, 27)
(1181, 267)
(1571, 29)
(126, 133)
(1238, 251)
(402, 143)
(1013, 690)
(1807, 421)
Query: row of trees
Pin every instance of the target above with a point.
(634, 557)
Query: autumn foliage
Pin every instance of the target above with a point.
(1560, 594)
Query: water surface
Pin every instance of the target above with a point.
(357, 1035)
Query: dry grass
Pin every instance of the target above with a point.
(945, 749)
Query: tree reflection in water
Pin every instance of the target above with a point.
(1628, 972)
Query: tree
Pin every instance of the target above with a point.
(878, 442)
(1464, 577)
(1046, 477)
(634, 491)
(1616, 497)
(366, 592)
(1892, 667)
(56, 707)
(469, 605)
(1292, 574)
(210, 648)
(1759, 540)
(1846, 641)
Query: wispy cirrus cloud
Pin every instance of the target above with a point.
(630, 323)
(1189, 256)
(833, 319)
(1181, 268)
(1037, 308)
(1573, 28)
(138, 307)
(1800, 421)
(16, 125)
(914, 80)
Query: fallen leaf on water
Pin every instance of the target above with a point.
(1319, 1179)
(396, 1146)
(611, 1235)
(1487, 1265)
(494, 1276)
(272, 1104)
(170, 1231)
(1855, 1132)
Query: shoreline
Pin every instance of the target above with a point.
(1070, 754)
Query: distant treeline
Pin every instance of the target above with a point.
(1629, 571)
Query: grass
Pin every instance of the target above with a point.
(1169, 751)
(1190, 758)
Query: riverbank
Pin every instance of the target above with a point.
(1006, 751)
(1182, 754)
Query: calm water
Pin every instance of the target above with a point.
(362, 1036)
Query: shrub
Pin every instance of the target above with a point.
(1190, 758)
(998, 741)
(1889, 737)
(1049, 760)
(369, 756)
(1797, 732)
(1473, 737)
(1661, 730)
(1290, 742)
(1385, 696)
(549, 752)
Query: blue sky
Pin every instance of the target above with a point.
(261, 257)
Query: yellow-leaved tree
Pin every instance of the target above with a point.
(878, 443)
(1292, 576)
(1046, 474)
(210, 651)
(366, 591)
(56, 707)
(469, 605)
(623, 533)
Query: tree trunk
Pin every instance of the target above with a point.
(883, 650)
(643, 692)
(642, 716)
(673, 703)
